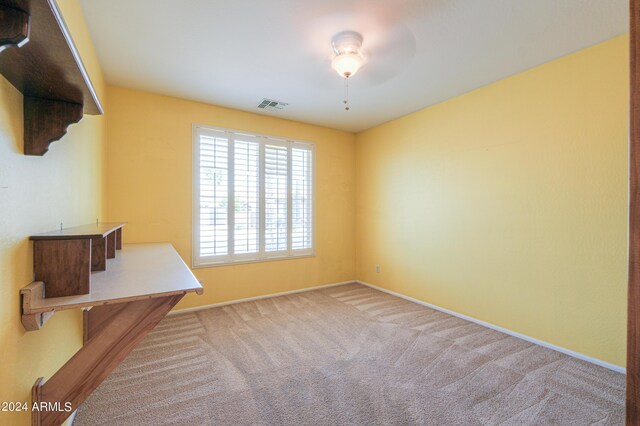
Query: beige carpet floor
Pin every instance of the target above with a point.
(347, 355)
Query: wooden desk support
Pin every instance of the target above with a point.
(110, 341)
(33, 294)
(127, 301)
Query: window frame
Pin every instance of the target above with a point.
(198, 261)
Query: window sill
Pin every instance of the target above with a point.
(243, 262)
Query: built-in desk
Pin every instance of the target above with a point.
(142, 271)
(126, 301)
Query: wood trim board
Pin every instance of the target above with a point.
(633, 309)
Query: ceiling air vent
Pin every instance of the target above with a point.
(271, 105)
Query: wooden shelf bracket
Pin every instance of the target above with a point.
(46, 121)
(47, 70)
(14, 27)
(115, 331)
(30, 294)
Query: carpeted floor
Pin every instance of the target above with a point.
(347, 355)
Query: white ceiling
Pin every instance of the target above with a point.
(235, 52)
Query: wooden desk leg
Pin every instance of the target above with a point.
(116, 332)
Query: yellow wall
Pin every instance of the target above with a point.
(149, 185)
(509, 203)
(36, 194)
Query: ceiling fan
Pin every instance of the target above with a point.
(348, 58)
(353, 43)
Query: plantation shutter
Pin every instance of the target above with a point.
(253, 197)
(246, 198)
(301, 197)
(275, 198)
(214, 195)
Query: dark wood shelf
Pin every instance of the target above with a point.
(46, 68)
(64, 259)
(16, 31)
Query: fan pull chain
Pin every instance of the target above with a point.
(346, 93)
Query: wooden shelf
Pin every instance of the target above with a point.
(46, 68)
(65, 258)
(143, 271)
(16, 31)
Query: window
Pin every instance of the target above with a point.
(253, 197)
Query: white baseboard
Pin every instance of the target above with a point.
(560, 349)
(250, 299)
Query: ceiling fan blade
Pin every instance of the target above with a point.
(388, 54)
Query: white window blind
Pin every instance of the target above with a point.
(214, 197)
(253, 197)
(301, 198)
(276, 195)
(246, 224)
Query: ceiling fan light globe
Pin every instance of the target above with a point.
(347, 64)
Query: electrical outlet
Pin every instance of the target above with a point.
(377, 268)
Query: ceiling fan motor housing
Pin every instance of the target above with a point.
(346, 42)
